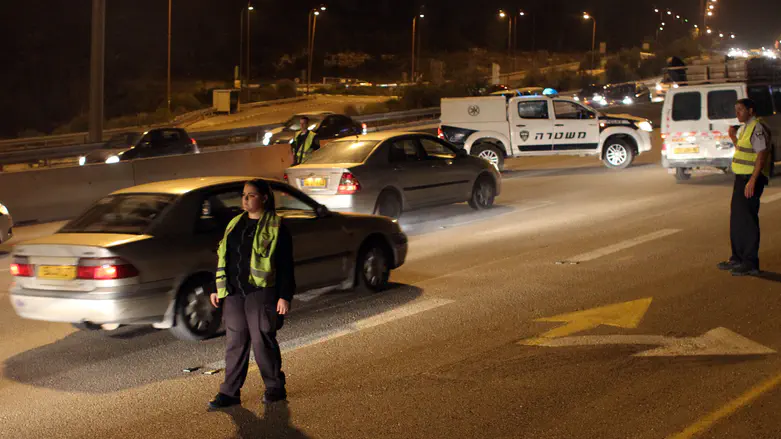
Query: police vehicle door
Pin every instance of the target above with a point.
(575, 128)
(531, 129)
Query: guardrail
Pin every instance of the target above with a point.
(246, 135)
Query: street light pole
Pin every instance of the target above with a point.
(586, 16)
(249, 53)
(97, 64)
(168, 88)
(310, 41)
(414, 36)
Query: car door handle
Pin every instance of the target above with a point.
(559, 125)
(521, 126)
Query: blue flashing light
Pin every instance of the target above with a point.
(549, 92)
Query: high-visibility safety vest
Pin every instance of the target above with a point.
(303, 152)
(745, 157)
(261, 263)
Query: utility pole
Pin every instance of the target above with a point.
(168, 88)
(97, 64)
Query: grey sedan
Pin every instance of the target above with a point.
(392, 172)
(147, 255)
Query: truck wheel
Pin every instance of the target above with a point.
(682, 175)
(618, 154)
(491, 153)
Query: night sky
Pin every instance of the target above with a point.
(45, 43)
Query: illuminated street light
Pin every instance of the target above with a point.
(586, 16)
(522, 13)
(669, 13)
(312, 29)
(678, 17)
(709, 31)
(732, 36)
(656, 10)
(710, 14)
(721, 35)
(251, 8)
(502, 14)
(323, 8)
(711, 7)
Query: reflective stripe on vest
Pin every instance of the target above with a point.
(303, 152)
(262, 270)
(745, 158)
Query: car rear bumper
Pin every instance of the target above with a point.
(720, 162)
(115, 306)
(347, 203)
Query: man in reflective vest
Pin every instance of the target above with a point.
(304, 142)
(751, 166)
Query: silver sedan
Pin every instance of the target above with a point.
(392, 172)
(147, 255)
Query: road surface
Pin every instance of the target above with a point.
(585, 305)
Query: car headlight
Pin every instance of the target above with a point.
(577, 99)
(82, 160)
(658, 87)
(645, 126)
(112, 159)
(628, 101)
(4, 210)
(266, 141)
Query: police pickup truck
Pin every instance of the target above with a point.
(495, 128)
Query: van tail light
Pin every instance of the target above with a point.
(21, 267)
(348, 185)
(105, 269)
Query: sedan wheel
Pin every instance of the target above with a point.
(373, 270)
(196, 318)
(483, 194)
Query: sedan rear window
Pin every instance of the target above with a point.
(343, 151)
(125, 213)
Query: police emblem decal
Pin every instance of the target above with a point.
(473, 110)
(524, 135)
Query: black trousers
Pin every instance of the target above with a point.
(744, 221)
(251, 321)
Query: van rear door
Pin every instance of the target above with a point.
(683, 122)
(720, 111)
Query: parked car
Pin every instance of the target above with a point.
(6, 224)
(628, 93)
(591, 95)
(325, 124)
(146, 255)
(157, 142)
(389, 173)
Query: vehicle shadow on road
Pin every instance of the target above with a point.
(130, 357)
(769, 276)
(575, 170)
(710, 179)
(275, 422)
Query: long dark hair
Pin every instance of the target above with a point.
(265, 189)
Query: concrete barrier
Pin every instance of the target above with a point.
(61, 193)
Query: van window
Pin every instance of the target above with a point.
(686, 106)
(533, 109)
(760, 94)
(721, 104)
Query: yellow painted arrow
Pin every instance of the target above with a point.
(622, 315)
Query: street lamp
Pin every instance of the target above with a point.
(249, 8)
(586, 16)
(168, 82)
(414, 41)
(311, 30)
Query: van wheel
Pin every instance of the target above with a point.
(491, 153)
(682, 175)
(196, 318)
(618, 154)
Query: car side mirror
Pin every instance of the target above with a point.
(322, 211)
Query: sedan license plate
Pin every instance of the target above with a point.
(315, 182)
(691, 150)
(57, 272)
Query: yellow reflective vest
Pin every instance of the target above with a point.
(302, 152)
(261, 263)
(745, 157)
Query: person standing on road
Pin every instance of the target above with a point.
(304, 142)
(255, 283)
(751, 167)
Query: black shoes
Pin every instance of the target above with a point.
(728, 265)
(274, 395)
(745, 270)
(222, 401)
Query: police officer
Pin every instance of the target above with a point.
(751, 166)
(304, 142)
(255, 283)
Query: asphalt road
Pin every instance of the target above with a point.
(457, 348)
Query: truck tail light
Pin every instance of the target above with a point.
(21, 267)
(105, 269)
(348, 185)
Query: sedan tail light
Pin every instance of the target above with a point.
(287, 180)
(364, 128)
(105, 269)
(348, 185)
(440, 134)
(21, 267)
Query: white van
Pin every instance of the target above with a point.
(696, 121)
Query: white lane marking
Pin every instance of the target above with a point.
(771, 198)
(623, 245)
(359, 325)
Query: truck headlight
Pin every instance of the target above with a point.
(112, 159)
(645, 126)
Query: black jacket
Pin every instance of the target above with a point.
(237, 263)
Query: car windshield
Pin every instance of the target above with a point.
(620, 91)
(125, 213)
(343, 151)
(122, 140)
(294, 124)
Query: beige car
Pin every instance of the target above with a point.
(147, 255)
(6, 224)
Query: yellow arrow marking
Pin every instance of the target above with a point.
(621, 315)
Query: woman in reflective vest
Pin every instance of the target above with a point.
(255, 284)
